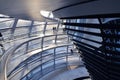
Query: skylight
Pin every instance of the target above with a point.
(46, 14)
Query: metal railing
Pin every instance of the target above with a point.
(10, 52)
(40, 59)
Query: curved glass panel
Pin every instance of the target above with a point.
(37, 48)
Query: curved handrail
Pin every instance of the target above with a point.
(7, 55)
(45, 41)
(37, 58)
(33, 68)
(44, 69)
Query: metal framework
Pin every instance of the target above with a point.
(38, 45)
(98, 42)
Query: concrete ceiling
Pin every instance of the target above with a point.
(30, 9)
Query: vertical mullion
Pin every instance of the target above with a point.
(30, 29)
(13, 28)
(46, 22)
(57, 33)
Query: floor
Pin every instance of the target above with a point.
(70, 73)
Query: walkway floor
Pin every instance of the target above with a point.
(67, 74)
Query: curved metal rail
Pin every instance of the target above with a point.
(6, 57)
(36, 57)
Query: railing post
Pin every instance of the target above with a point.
(30, 29)
(67, 55)
(42, 43)
(54, 53)
(41, 64)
